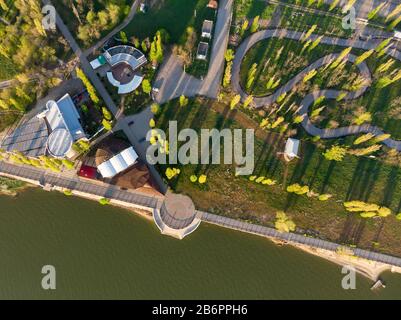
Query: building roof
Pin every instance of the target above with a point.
(292, 148)
(63, 121)
(98, 62)
(118, 163)
(178, 211)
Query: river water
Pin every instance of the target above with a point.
(107, 252)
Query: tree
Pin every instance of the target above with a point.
(244, 26)
(172, 173)
(229, 55)
(235, 101)
(309, 33)
(255, 24)
(183, 101)
(284, 223)
(107, 125)
(298, 189)
(335, 153)
(107, 114)
(91, 90)
(202, 179)
(248, 101)
(227, 75)
(364, 138)
(366, 151)
(362, 118)
(367, 210)
(374, 12)
(363, 56)
(155, 108)
(146, 86)
(123, 37)
(104, 201)
(251, 75)
(310, 75)
(152, 123)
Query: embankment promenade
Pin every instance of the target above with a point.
(368, 263)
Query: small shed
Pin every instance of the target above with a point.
(292, 149)
(98, 62)
(203, 49)
(207, 29)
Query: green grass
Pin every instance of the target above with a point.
(381, 103)
(282, 58)
(11, 184)
(252, 8)
(237, 197)
(302, 21)
(173, 15)
(7, 68)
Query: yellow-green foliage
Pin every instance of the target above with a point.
(335, 153)
(367, 210)
(298, 189)
(172, 173)
(91, 89)
(364, 138)
(284, 223)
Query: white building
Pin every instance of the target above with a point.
(63, 121)
(118, 163)
(291, 149)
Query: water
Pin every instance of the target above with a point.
(107, 252)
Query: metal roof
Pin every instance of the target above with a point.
(118, 163)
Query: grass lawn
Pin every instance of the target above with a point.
(173, 15)
(237, 197)
(7, 68)
(282, 59)
(302, 21)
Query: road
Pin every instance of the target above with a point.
(93, 77)
(259, 102)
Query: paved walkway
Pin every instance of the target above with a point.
(174, 82)
(259, 102)
(293, 237)
(75, 183)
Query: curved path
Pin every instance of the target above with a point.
(310, 98)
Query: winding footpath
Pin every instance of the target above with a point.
(309, 127)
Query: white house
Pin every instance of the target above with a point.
(291, 149)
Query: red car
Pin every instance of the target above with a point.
(88, 172)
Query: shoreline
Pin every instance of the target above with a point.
(368, 268)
